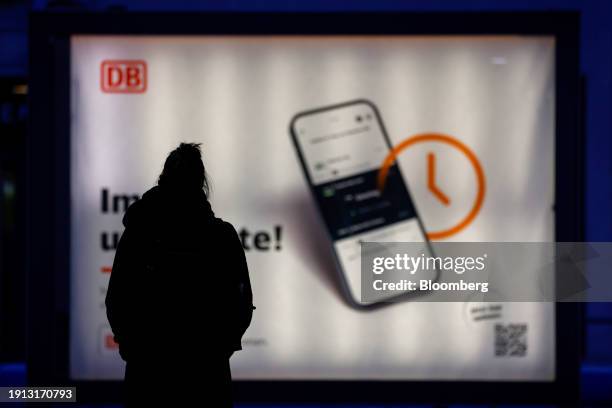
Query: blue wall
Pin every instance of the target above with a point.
(596, 64)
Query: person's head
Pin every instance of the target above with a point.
(184, 169)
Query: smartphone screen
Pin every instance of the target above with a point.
(341, 149)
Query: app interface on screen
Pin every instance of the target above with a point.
(343, 149)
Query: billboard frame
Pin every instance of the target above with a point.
(48, 187)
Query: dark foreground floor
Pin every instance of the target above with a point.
(596, 391)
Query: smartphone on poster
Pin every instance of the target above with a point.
(341, 148)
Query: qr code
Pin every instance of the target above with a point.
(511, 340)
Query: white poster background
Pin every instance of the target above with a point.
(236, 95)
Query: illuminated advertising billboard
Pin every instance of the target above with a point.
(294, 130)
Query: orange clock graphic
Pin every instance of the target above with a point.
(431, 177)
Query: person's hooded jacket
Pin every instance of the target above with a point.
(179, 287)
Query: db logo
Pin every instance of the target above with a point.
(123, 76)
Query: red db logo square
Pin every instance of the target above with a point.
(123, 76)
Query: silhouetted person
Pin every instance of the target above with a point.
(179, 297)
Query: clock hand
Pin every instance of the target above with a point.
(431, 180)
